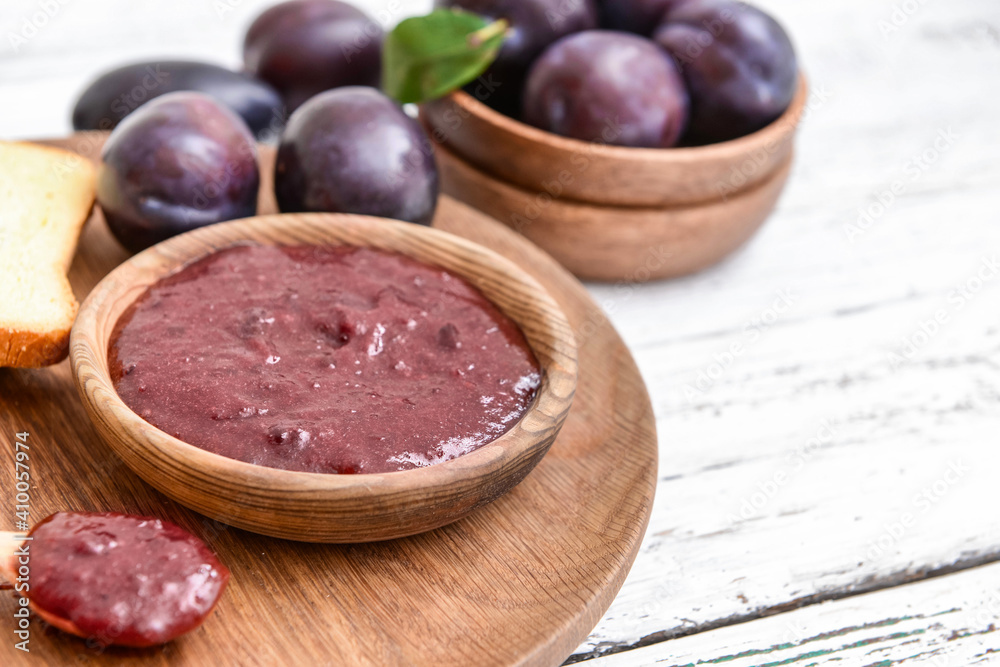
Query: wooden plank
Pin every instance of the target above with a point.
(815, 395)
(938, 622)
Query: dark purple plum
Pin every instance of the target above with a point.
(180, 162)
(353, 150)
(607, 87)
(639, 16)
(738, 63)
(304, 47)
(534, 25)
(121, 91)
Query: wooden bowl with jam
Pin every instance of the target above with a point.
(312, 506)
(613, 213)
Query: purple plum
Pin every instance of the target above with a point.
(304, 47)
(608, 87)
(177, 163)
(534, 25)
(354, 150)
(738, 63)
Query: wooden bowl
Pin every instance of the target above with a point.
(612, 244)
(316, 507)
(607, 212)
(540, 161)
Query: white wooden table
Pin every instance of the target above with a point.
(828, 495)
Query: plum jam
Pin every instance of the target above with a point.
(327, 360)
(128, 580)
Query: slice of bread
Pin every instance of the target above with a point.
(45, 197)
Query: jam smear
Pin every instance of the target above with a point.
(129, 580)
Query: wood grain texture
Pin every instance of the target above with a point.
(882, 94)
(812, 393)
(605, 175)
(521, 581)
(316, 507)
(612, 244)
(943, 622)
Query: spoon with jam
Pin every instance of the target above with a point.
(125, 580)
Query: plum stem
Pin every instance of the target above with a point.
(481, 36)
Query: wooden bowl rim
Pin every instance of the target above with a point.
(622, 213)
(687, 155)
(548, 405)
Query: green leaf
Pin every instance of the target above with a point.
(427, 57)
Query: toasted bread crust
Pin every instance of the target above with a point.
(52, 191)
(32, 349)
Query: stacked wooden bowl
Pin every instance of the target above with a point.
(611, 213)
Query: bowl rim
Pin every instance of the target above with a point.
(684, 155)
(94, 382)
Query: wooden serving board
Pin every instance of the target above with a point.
(522, 581)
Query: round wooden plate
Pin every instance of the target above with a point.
(522, 581)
